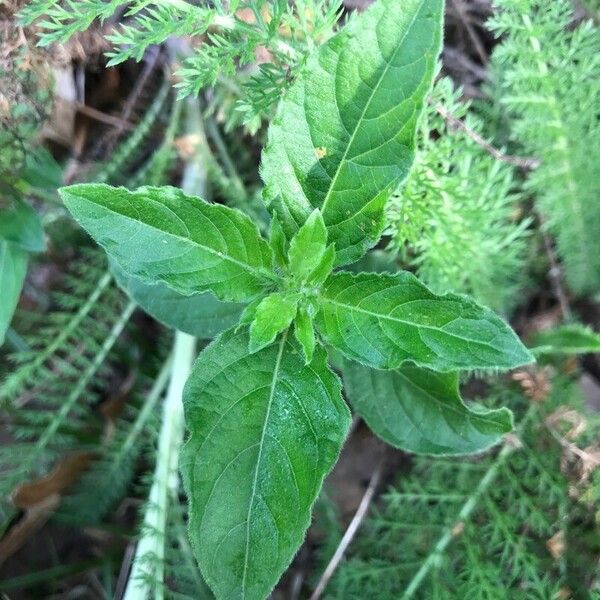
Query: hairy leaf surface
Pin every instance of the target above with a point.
(13, 267)
(265, 430)
(384, 320)
(345, 135)
(163, 235)
(308, 246)
(273, 314)
(421, 411)
(201, 315)
(305, 333)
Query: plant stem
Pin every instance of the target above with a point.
(165, 482)
(213, 131)
(143, 416)
(17, 343)
(522, 162)
(462, 516)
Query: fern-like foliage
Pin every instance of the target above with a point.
(230, 37)
(456, 219)
(482, 528)
(47, 400)
(548, 82)
(109, 476)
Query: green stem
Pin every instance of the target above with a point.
(215, 135)
(142, 418)
(16, 341)
(165, 482)
(149, 561)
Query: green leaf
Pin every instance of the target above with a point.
(21, 225)
(305, 333)
(421, 411)
(13, 267)
(265, 430)
(42, 171)
(162, 235)
(200, 315)
(324, 268)
(273, 314)
(344, 137)
(308, 246)
(385, 320)
(279, 243)
(249, 313)
(567, 339)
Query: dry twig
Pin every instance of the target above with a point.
(517, 161)
(360, 514)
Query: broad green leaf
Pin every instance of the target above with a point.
(421, 411)
(162, 235)
(384, 320)
(308, 246)
(265, 430)
(13, 267)
(305, 333)
(21, 225)
(273, 314)
(324, 268)
(567, 339)
(344, 137)
(279, 243)
(249, 312)
(200, 315)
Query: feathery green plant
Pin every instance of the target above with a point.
(547, 75)
(130, 436)
(42, 400)
(480, 528)
(232, 34)
(455, 219)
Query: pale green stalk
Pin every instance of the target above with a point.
(149, 558)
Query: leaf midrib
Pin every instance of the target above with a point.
(259, 456)
(257, 272)
(353, 307)
(366, 108)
